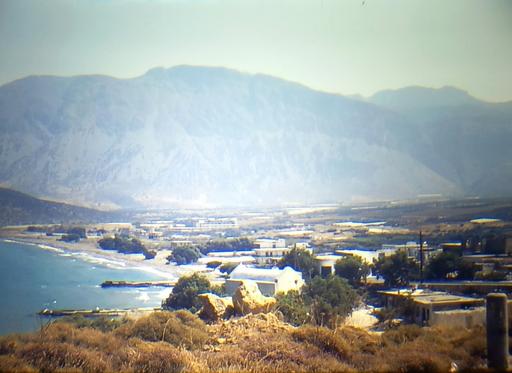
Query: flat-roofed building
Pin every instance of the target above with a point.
(431, 307)
(270, 251)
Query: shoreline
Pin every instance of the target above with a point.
(87, 250)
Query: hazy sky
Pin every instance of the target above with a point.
(333, 45)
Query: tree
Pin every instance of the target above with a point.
(300, 260)
(185, 293)
(237, 244)
(353, 269)
(443, 264)
(330, 299)
(70, 237)
(126, 245)
(293, 308)
(397, 269)
(184, 255)
(80, 231)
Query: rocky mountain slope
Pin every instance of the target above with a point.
(213, 136)
(20, 209)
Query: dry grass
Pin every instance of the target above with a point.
(180, 328)
(179, 342)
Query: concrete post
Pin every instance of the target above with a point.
(497, 331)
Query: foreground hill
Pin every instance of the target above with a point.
(180, 342)
(21, 209)
(198, 135)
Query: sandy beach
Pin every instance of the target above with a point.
(89, 250)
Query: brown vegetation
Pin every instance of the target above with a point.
(179, 341)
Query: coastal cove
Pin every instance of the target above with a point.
(36, 277)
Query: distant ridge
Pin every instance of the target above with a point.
(207, 136)
(21, 209)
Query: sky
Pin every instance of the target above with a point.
(340, 46)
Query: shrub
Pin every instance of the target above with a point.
(125, 245)
(353, 269)
(291, 305)
(325, 339)
(184, 255)
(70, 238)
(300, 260)
(237, 244)
(9, 363)
(401, 335)
(102, 323)
(80, 231)
(52, 356)
(158, 358)
(185, 293)
(273, 352)
(331, 299)
(397, 269)
(491, 276)
(179, 328)
(443, 264)
(411, 358)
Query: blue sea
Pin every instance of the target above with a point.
(33, 278)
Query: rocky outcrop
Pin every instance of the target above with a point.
(215, 307)
(248, 299)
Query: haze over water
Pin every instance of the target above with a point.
(32, 279)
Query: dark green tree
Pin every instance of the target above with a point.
(330, 299)
(237, 244)
(397, 269)
(185, 293)
(72, 237)
(443, 264)
(300, 260)
(353, 269)
(80, 231)
(293, 308)
(184, 255)
(125, 245)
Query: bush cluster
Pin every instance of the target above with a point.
(237, 244)
(185, 293)
(322, 302)
(184, 255)
(126, 245)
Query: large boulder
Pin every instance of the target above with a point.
(215, 307)
(248, 299)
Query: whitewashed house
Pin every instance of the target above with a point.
(269, 281)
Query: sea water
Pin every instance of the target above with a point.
(33, 278)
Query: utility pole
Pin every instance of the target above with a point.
(421, 257)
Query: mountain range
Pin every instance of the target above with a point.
(206, 136)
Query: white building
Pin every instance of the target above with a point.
(269, 281)
(270, 243)
(326, 263)
(270, 250)
(217, 223)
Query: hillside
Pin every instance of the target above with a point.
(180, 342)
(464, 140)
(21, 209)
(200, 136)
